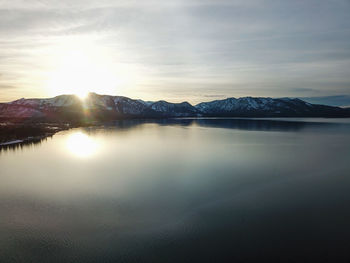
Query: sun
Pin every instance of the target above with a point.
(80, 72)
(81, 64)
(82, 95)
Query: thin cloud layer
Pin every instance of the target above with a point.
(180, 50)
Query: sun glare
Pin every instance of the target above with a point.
(80, 71)
(81, 145)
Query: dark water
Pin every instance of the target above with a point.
(209, 190)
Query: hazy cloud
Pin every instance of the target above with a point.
(184, 49)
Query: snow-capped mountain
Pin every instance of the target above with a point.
(105, 107)
(167, 109)
(9, 111)
(266, 107)
(59, 101)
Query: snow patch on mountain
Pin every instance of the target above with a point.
(128, 106)
(59, 101)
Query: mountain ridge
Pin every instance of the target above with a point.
(97, 107)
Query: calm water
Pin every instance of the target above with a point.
(209, 190)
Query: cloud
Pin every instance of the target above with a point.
(338, 100)
(301, 90)
(258, 47)
(5, 87)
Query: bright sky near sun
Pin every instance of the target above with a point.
(174, 50)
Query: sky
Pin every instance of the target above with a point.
(178, 50)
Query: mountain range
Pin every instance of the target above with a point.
(69, 108)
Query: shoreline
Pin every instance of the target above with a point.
(12, 134)
(11, 142)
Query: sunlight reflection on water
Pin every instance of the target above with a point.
(82, 145)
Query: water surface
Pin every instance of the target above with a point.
(181, 190)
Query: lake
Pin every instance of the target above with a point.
(180, 190)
